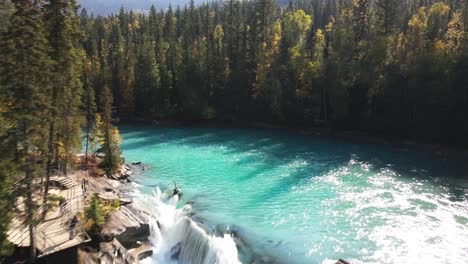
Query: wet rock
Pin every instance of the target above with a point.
(136, 163)
(175, 251)
(125, 201)
(342, 261)
(139, 253)
(127, 226)
(233, 230)
(221, 229)
(112, 252)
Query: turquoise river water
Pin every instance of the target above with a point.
(297, 199)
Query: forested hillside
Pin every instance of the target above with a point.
(392, 66)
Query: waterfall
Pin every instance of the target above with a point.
(171, 226)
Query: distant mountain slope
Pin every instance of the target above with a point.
(104, 7)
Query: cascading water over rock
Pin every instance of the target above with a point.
(178, 239)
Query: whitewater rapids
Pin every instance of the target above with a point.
(170, 225)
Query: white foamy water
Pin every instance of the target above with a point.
(171, 226)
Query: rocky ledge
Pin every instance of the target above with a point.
(127, 226)
(123, 237)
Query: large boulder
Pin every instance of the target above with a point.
(112, 252)
(127, 226)
(175, 251)
(139, 253)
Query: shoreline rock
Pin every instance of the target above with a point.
(139, 253)
(127, 226)
(125, 229)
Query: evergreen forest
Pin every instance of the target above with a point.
(386, 67)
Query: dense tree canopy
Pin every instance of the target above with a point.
(379, 65)
(45, 95)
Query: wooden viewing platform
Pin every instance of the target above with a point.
(53, 234)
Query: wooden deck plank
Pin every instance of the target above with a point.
(53, 234)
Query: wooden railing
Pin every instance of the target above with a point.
(67, 211)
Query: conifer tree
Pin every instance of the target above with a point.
(62, 24)
(7, 169)
(88, 104)
(26, 83)
(387, 15)
(111, 139)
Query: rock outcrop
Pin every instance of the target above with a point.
(112, 252)
(123, 174)
(175, 251)
(124, 234)
(137, 254)
(127, 226)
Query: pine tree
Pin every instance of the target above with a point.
(361, 19)
(267, 39)
(7, 169)
(111, 139)
(387, 13)
(88, 105)
(147, 80)
(62, 24)
(26, 82)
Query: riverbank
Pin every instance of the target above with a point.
(150, 228)
(123, 237)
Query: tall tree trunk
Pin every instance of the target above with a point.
(109, 153)
(87, 144)
(49, 166)
(66, 146)
(30, 218)
(88, 122)
(29, 194)
(56, 156)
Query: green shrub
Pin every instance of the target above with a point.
(95, 217)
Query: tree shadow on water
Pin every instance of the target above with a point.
(268, 150)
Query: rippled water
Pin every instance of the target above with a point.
(297, 199)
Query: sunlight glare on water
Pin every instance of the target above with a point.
(301, 199)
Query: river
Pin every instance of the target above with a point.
(287, 198)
